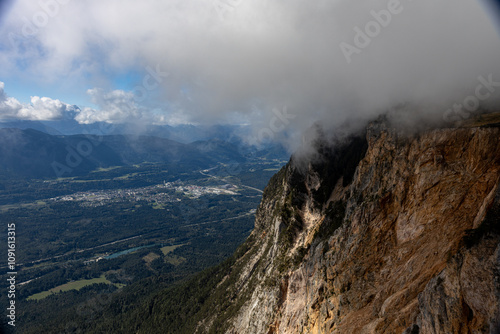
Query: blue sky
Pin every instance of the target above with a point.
(217, 61)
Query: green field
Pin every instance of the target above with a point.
(75, 285)
(101, 169)
(27, 206)
(169, 249)
(126, 176)
(172, 259)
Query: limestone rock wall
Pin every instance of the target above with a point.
(409, 244)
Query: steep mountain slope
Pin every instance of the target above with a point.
(31, 153)
(34, 154)
(391, 232)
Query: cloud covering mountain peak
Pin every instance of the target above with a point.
(240, 60)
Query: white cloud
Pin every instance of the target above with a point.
(114, 107)
(262, 53)
(119, 106)
(40, 109)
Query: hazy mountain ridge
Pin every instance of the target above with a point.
(32, 153)
(183, 133)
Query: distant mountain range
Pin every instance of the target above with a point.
(184, 133)
(34, 154)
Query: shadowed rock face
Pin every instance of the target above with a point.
(410, 244)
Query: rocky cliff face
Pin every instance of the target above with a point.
(387, 233)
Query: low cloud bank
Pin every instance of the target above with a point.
(239, 61)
